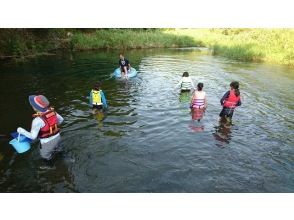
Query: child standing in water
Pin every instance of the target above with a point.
(198, 103)
(230, 101)
(97, 98)
(44, 126)
(186, 82)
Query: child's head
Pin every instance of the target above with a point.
(185, 74)
(235, 85)
(121, 56)
(199, 86)
(97, 86)
(39, 103)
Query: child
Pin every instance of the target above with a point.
(124, 64)
(230, 101)
(44, 126)
(186, 82)
(97, 98)
(198, 103)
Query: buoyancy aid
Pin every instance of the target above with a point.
(199, 101)
(186, 85)
(232, 100)
(51, 124)
(96, 98)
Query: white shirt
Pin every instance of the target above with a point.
(37, 124)
(186, 80)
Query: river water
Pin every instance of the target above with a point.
(146, 141)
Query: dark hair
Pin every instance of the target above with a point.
(199, 86)
(235, 86)
(185, 74)
(97, 86)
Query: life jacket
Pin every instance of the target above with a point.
(186, 85)
(232, 100)
(50, 120)
(96, 98)
(199, 101)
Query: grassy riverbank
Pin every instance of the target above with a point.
(261, 45)
(130, 39)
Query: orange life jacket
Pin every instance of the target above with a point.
(232, 100)
(50, 120)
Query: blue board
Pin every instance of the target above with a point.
(131, 73)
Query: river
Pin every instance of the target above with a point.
(146, 141)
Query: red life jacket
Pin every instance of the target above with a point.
(232, 100)
(50, 128)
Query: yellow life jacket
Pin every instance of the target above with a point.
(96, 98)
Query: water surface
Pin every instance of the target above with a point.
(146, 141)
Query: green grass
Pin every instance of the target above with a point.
(261, 45)
(129, 39)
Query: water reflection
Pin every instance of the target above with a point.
(223, 132)
(99, 115)
(196, 126)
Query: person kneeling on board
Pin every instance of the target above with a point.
(124, 64)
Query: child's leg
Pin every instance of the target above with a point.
(47, 149)
(126, 70)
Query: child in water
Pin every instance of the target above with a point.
(198, 103)
(230, 101)
(124, 65)
(186, 82)
(97, 98)
(44, 126)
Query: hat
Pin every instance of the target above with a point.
(39, 102)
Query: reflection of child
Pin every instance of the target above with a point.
(44, 126)
(186, 82)
(198, 103)
(230, 101)
(97, 98)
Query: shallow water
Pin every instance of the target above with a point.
(146, 141)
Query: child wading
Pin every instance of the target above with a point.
(198, 103)
(97, 98)
(230, 101)
(44, 126)
(186, 82)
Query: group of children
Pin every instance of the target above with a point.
(229, 101)
(45, 124)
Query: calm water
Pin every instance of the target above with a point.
(146, 141)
